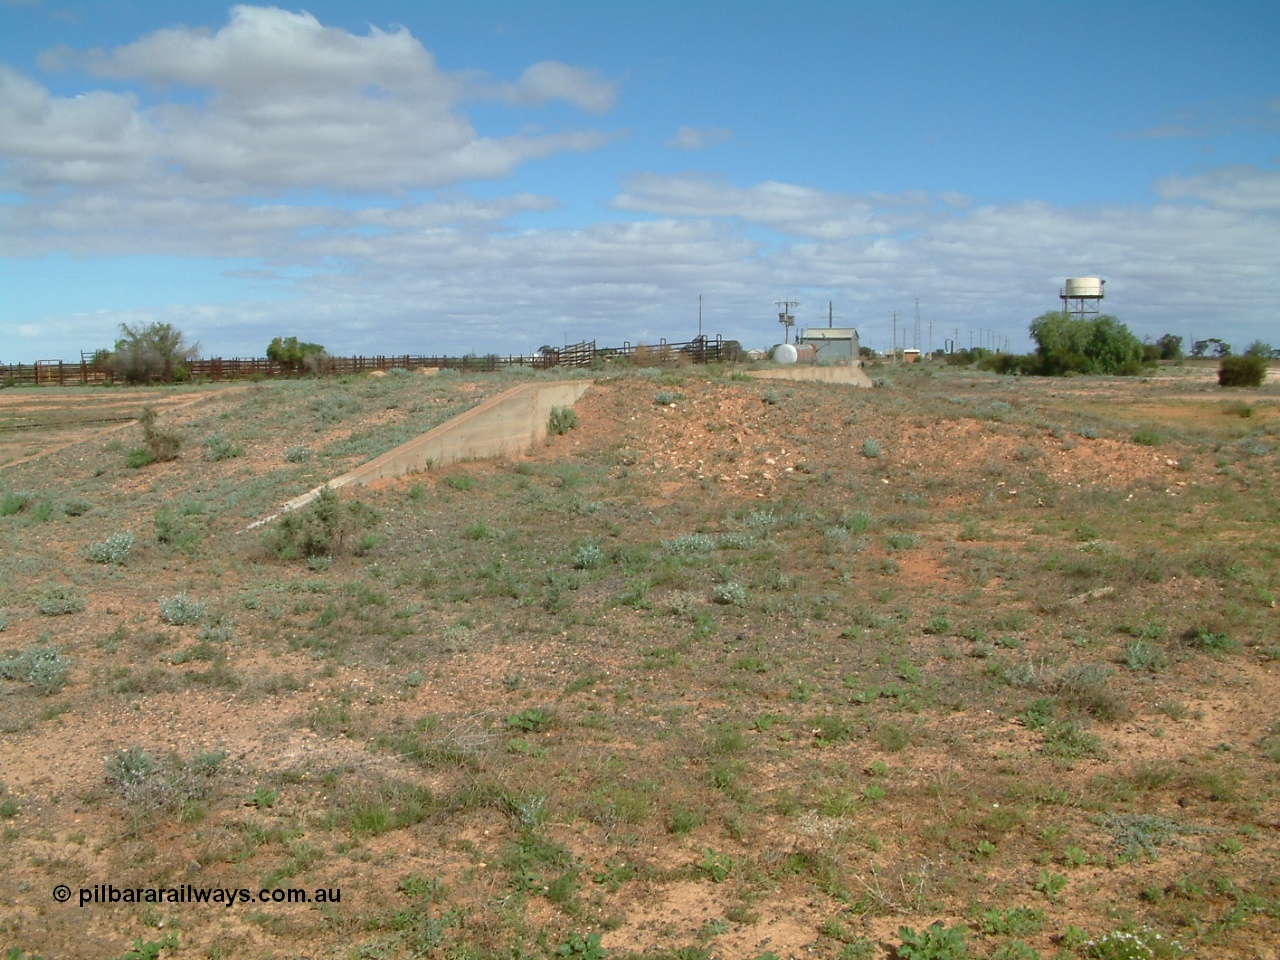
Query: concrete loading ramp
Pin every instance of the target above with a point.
(512, 422)
(853, 376)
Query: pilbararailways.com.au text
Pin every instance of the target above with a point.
(107, 894)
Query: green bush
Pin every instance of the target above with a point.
(296, 356)
(13, 503)
(58, 600)
(1066, 344)
(157, 351)
(323, 528)
(217, 447)
(138, 458)
(157, 444)
(1247, 370)
(934, 942)
(561, 421)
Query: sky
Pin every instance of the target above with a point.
(395, 177)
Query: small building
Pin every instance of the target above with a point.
(833, 345)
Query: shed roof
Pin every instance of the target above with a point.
(829, 333)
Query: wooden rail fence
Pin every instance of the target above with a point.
(584, 354)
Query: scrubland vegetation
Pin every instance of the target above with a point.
(961, 666)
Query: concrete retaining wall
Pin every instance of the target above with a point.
(854, 376)
(512, 422)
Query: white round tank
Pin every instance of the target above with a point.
(1084, 287)
(784, 353)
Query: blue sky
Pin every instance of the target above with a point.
(492, 176)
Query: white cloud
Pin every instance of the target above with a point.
(552, 80)
(451, 277)
(691, 138)
(795, 210)
(1227, 188)
(275, 101)
(96, 138)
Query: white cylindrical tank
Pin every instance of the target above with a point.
(784, 353)
(1084, 287)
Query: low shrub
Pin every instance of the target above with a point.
(12, 503)
(58, 601)
(1246, 370)
(935, 942)
(162, 445)
(218, 447)
(113, 550)
(180, 610)
(42, 667)
(588, 557)
(323, 528)
(150, 785)
(561, 421)
(731, 594)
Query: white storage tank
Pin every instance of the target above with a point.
(1090, 287)
(784, 353)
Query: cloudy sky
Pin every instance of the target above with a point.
(491, 176)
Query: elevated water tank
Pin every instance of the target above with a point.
(784, 353)
(1077, 287)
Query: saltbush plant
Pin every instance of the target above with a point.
(588, 557)
(150, 785)
(731, 594)
(114, 550)
(41, 667)
(218, 447)
(59, 600)
(180, 610)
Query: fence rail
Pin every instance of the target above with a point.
(584, 354)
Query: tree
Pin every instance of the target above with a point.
(295, 356)
(1066, 344)
(1220, 347)
(1259, 349)
(157, 351)
(1170, 347)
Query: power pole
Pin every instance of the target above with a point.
(699, 316)
(915, 340)
(895, 336)
(786, 318)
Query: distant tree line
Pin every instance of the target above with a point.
(1068, 346)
